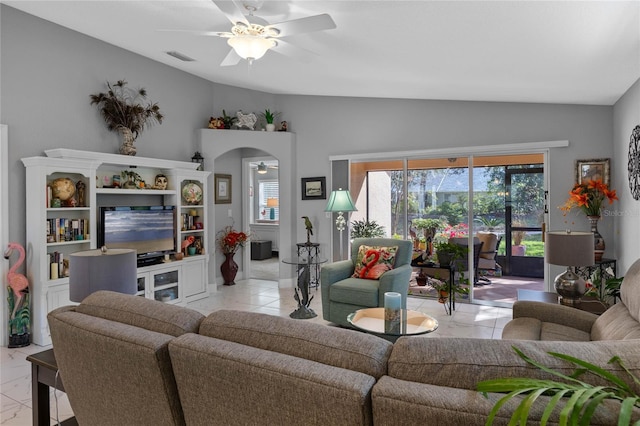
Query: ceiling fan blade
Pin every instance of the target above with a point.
(231, 59)
(232, 11)
(304, 25)
(295, 52)
(202, 33)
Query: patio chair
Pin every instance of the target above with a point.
(487, 260)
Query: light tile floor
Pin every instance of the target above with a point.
(251, 295)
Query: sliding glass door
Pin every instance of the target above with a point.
(500, 199)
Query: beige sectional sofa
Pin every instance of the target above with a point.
(127, 360)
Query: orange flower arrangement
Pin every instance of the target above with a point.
(589, 197)
(229, 240)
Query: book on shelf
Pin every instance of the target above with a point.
(62, 229)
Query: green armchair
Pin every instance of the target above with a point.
(342, 294)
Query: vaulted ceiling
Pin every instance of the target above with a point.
(521, 51)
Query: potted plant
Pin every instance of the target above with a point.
(429, 227)
(576, 399)
(123, 111)
(442, 288)
(449, 253)
(366, 229)
(269, 117)
(131, 179)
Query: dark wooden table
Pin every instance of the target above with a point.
(44, 369)
(588, 304)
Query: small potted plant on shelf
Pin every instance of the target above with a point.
(269, 117)
(366, 229)
(123, 111)
(133, 179)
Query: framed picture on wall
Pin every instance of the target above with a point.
(222, 191)
(314, 188)
(596, 169)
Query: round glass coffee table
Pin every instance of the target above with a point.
(411, 323)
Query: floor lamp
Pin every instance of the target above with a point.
(340, 202)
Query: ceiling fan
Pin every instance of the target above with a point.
(262, 167)
(250, 36)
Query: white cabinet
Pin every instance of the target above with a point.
(55, 229)
(162, 283)
(193, 278)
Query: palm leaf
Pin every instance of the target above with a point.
(583, 398)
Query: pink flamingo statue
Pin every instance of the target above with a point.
(187, 242)
(17, 282)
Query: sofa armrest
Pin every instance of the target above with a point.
(558, 314)
(463, 362)
(331, 274)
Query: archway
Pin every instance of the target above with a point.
(280, 145)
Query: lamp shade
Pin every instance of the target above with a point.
(94, 270)
(272, 202)
(569, 248)
(250, 47)
(340, 201)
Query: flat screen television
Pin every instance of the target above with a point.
(150, 230)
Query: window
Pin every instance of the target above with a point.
(268, 199)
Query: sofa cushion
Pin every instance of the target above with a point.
(356, 291)
(616, 323)
(373, 261)
(226, 383)
(114, 371)
(400, 402)
(140, 312)
(334, 346)
(463, 362)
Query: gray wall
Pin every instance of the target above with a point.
(626, 116)
(48, 73)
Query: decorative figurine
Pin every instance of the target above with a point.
(283, 126)
(80, 190)
(309, 226)
(161, 182)
(246, 121)
(19, 315)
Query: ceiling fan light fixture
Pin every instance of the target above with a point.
(250, 47)
(262, 168)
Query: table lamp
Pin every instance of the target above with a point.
(272, 203)
(340, 202)
(569, 249)
(102, 269)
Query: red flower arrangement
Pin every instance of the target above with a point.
(589, 197)
(229, 240)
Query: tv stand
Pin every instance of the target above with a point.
(58, 226)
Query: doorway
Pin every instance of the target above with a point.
(263, 201)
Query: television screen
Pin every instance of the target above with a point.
(150, 230)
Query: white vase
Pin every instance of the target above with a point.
(271, 127)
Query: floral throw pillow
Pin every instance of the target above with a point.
(373, 261)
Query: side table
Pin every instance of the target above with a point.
(310, 249)
(303, 290)
(428, 269)
(588, 304)
(44, 369)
